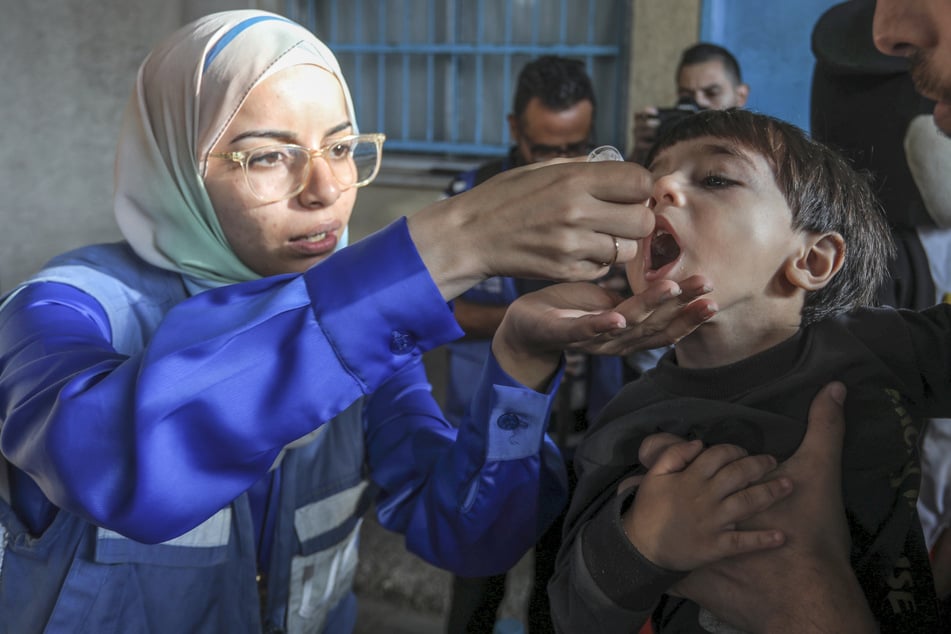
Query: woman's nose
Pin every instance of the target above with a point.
(321, 188)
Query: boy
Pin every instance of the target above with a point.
(794, 243)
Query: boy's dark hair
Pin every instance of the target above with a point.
(705, 52)
(823, 192)
(558, 82)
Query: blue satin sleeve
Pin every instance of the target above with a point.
(472, 500)
(152, 444)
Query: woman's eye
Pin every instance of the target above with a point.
(339, 151)
(269, 158)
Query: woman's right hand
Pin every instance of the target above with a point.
(556, 220)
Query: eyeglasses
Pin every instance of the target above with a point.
(542, 152)
(279, 172)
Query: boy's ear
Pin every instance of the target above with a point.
(821, 258)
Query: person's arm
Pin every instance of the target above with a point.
(808, 584)
(471, 500)
(472, 503)
(549, 221)
(653, 529)
(228, 378)
(601, 582)
(804, 585)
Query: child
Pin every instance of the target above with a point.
(795, 245)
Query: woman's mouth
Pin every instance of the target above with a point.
(314, 237)
(314, 244)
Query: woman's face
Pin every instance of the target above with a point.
(302, 105)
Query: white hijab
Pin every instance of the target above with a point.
(187, 92)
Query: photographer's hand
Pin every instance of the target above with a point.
(645, 133)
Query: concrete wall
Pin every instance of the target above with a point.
(66, 71)
(660, 31)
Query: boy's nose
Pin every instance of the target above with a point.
(668, 191)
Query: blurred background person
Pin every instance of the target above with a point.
(708, 77)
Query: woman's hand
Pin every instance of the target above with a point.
(581, 316)
(556, 220)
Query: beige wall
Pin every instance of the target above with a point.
(661, 29)
(68, 67)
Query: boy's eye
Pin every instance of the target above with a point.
(715, 180)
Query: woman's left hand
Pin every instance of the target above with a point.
(539, 326)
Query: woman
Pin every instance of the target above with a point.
(164, 399)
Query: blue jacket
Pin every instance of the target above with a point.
(605, 374)
(163, 449)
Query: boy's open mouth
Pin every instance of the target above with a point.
(664, 249)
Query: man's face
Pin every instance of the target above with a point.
(710, 86)
(921, 31)
(542, 134)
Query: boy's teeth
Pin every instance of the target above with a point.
(316, 237)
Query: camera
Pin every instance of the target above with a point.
(668, 117)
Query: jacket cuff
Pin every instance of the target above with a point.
(622, 573)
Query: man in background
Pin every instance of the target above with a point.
(708, 77)
(552, 116)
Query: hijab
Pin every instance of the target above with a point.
(187, 91)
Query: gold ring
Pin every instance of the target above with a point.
(617, 252)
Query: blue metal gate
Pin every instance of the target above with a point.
(437, 76)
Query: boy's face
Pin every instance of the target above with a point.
(718, 213)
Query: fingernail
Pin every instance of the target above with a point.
(837, 392)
